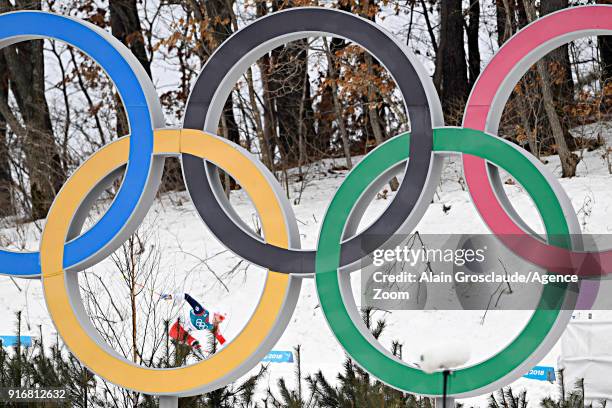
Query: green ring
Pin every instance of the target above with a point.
(327, 278)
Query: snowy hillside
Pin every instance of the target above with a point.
(190, 258)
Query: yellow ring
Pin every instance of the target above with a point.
(271, 311)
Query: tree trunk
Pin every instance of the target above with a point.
(430, 30)
(125, 26)
(505, 20)
(290, 87)
(374, 117)
(6, 182)
(569, 161)
(451, 69)
(372, 108)
(264, 143)
(287, 101)
(292, 92)
(373, 124)
(221, 16)
(265, 67)
(326, 115)
(337, 106)
(560, 72)
(507, 14)
(558, 59)
(605, 55)
(473, 43)
(269, 128)
(528, 108)
(43, 161)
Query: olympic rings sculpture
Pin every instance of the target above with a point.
(65, 250)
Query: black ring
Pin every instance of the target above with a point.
(309, 22)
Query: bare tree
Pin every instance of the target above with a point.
(559, 66)
(125, 26)
(558, 60)
(605, 54)
(126, 312)
(569, 161)
(6, 181)
(337, 107)
(45, 166)
(451, 76)
(472, 30)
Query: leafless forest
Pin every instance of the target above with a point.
(308, 100)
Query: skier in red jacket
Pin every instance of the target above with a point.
(196, 318)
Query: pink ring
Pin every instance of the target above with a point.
(562, 26)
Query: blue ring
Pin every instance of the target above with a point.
(72, 32)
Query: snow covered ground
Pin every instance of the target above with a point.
(183, 242)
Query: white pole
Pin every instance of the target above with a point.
(168, 402)
(450, 402)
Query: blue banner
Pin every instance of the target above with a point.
(9, 341)
(278, 357)
(541, 373)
